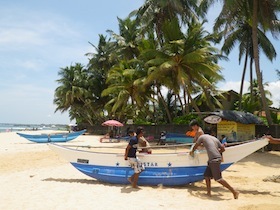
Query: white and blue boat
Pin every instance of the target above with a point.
(53, 137)
(168, 169)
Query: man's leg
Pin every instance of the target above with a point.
(130, 179)
(208, 185)
(225, 184)
(207, 177)
(135, 180)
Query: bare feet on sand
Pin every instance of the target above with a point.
(236, 194)
(129, 180)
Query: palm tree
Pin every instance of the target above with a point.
(99, 65)
(127, 40)
(258, 13)
(185, 61)
(126, 88)
(73, 94)
(238, 30)
(252, 102)
(265, 13)
(154, 14)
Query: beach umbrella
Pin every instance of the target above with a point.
(213, 119)
(112, 123)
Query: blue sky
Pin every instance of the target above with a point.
(37, 38)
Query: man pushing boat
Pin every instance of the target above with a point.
(214, 150)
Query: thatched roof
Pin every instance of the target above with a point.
(237, 116)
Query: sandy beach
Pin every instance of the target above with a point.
(34, 177)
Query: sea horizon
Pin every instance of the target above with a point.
(10, 127)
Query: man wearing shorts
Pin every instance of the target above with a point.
(130, 155)
(214, 150)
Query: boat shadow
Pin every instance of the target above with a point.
(218, 192)
(124, 188)
(82, 181)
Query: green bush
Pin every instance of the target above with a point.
(186, 119)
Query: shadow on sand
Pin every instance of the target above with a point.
(124, 188)
(217, 192)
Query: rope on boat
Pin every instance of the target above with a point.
(166, 146)
(89, 147)
(155, 146)
(123, 147)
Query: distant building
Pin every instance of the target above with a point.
(226, 98)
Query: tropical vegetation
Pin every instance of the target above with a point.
(162, 63)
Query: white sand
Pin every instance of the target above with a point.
(34, 177)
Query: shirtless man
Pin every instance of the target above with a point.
(198, 130)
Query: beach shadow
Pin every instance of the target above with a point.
(28, 143)
(201, 193)
(255, 192)
(217, 192)
(86, 181)
(129, 189)
(82, 181)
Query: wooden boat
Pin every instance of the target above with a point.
(54, 137)
(169, 169)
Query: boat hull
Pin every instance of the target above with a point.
(46, 138)
(160, 169)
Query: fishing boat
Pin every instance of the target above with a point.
(169, 169)
(52, 137)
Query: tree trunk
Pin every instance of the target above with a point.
(165, 107)
(251, 78)
(257, 62)
(194, 104)
(242, 80)
(186, 102)
(181, 103)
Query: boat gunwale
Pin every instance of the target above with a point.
(68, 147)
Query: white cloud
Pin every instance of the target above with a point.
(231, 85)
(274, 88)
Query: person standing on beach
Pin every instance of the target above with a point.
(130, 155)
(197, 129)
(224, 140)
(214, 150)
(198, 132)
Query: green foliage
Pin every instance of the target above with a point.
(139, 121)
(163, 44)
(275, 118)
(264, 120)
(186, 119)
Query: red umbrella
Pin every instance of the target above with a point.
(112, 123)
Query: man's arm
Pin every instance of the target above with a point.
(272, 140)
(126, 151)
(222, 148)
(194, 148)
